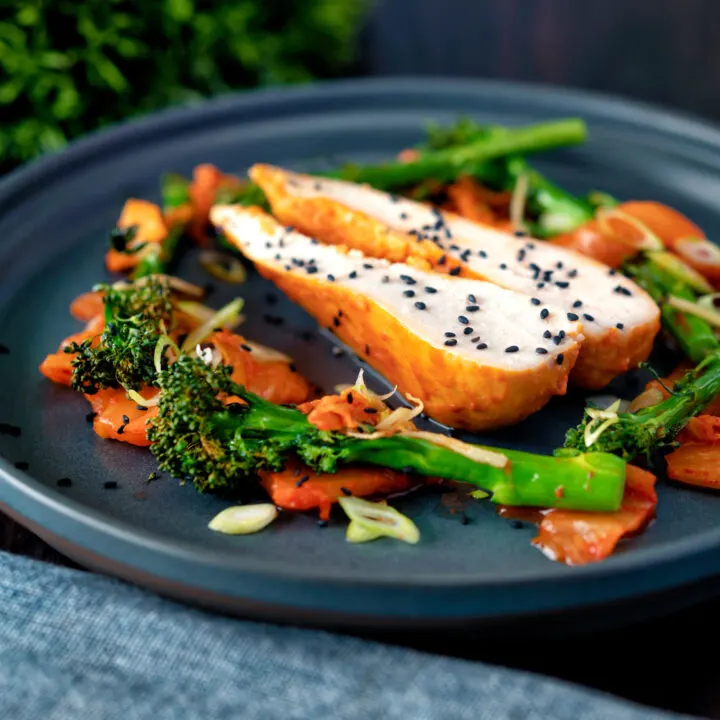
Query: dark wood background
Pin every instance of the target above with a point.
(662, 51)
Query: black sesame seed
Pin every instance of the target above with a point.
(311, 269)
(482, 346)
(560, 358)
(385, 279)
(64, 482)
(90, 416)
(536, 269)
(476, 339)
(367, 349)
(277, 256)
(559, 265)
(612, 271)
(512, 349)
(247, 348)
(622, 290)
(572, 274)
(561, 334)
(22, 465)
(110, 485)
(544, 314)
(462, 319)
(472, 308)
(370, 411)
(368, 266)
(409, 293)
(331, 277)
(535, 301)
(589, 318)
(519, 233)
(336, 322)
(302, 481)
(482, 254)
(547, 275)
(449, 334)
(521, 255)
(451, 342)
(442, 260)
(541, 351)
(620, 326)
(503, 266)
(573, 317)
(577, 304)
(141, 408)
(403, 216)
(547, 334)
(407, 279)
(353, 275)
(468, 331)
(465, 255)
(530, 246)
(540, 285)
(471, 298)
(420, 305)
(454, 272)
(345, 491)
(430, 290)
(562, 284)
(273, 319)
(454, 247)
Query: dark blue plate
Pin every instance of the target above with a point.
(54, 219)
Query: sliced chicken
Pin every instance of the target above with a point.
(620, 321)
(477, 355)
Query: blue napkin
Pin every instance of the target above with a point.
(79, 646)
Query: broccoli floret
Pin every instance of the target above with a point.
(213, 432)
(136, 316)
(637, 434)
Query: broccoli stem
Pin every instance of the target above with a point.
(694, 335)
(637, 434)
(587, 482)
(593, 481)
(448, 163)
(175, 191)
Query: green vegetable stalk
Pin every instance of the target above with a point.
(217, 446)
(636, 434)
(447, 163)
(694, 335)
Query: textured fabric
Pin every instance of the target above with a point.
(78, 646)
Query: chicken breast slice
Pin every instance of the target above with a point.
(479, 356)
(620, 320)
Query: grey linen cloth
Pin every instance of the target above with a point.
(79, 646)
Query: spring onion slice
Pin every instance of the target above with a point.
(223, 267)
(649, 241)
(163, 342)
(359, 533)
(711, 301)
(224, 317)
(243, 519)
(379, 518)
(709, 314)
(137, 398)
(517, 203)
(674, 266)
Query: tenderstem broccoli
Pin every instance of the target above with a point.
(215, 433)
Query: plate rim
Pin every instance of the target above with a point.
(21, 489)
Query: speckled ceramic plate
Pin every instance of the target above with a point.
(54, 218)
